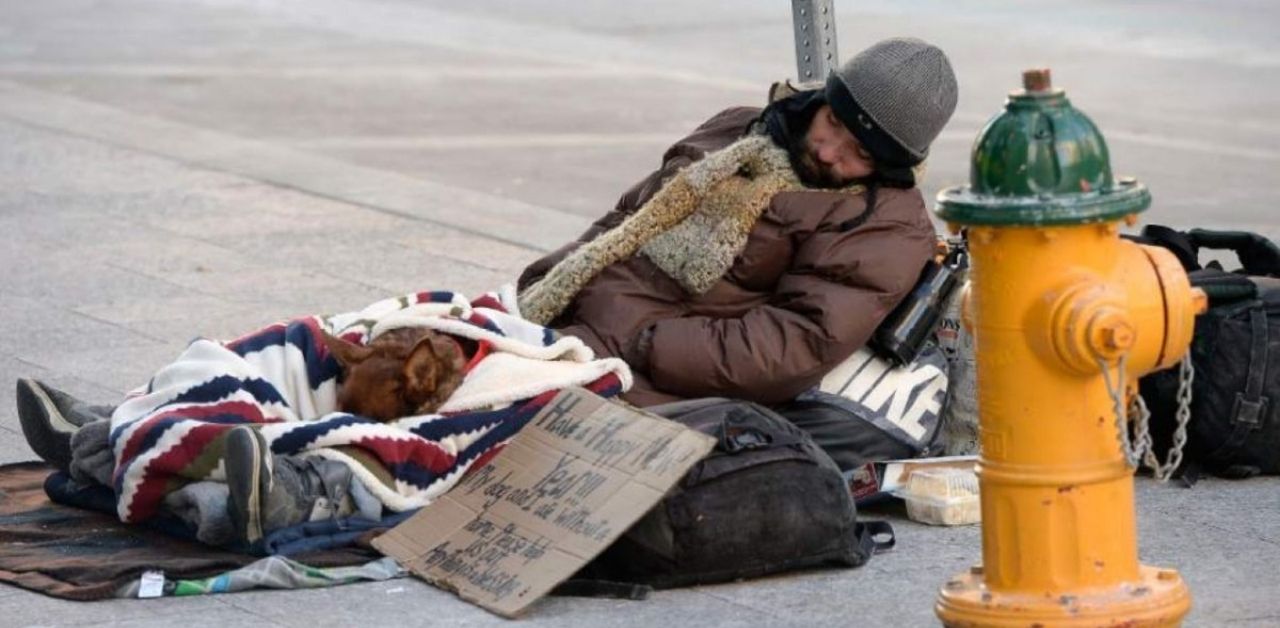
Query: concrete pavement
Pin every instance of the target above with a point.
(173, 169)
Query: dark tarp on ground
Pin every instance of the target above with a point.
(79, 554)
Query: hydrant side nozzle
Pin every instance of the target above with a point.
(1110, 334)
(1199, 301)
(1088, 322)
(1181, 304)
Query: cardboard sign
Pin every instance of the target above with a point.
(575, 478)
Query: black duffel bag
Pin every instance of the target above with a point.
(1234, 427)
(765, 500)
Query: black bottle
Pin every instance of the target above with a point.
(908, 327)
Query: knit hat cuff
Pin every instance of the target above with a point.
(883, 147)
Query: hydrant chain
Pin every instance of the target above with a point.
(1141, 449)
(1132, 451)
(1164, 472)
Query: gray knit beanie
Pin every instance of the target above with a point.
(895, 97)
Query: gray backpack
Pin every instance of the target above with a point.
(765, 500)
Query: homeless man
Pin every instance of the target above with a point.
(769, 245)
(764, 251)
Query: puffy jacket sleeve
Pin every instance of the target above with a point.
(718, 132)
(837, 289)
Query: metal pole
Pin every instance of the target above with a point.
(815, 30)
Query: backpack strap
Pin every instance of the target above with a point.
(868, 531)
(1250, 407)
(1223, 287)
(1258, 254)
(736, 432)
(1177, 242)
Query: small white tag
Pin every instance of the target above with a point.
(152, 584)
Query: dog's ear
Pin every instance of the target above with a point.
(347, 353)
(422, 369)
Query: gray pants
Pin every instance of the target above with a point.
(202, 505)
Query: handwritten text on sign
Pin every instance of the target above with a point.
(563, 489)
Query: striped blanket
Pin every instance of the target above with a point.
(282, 379)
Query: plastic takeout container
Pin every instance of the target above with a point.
(943, 496)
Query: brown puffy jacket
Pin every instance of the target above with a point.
(799, 299)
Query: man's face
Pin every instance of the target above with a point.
(832, 156)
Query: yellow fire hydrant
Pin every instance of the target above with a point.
(1066, 317)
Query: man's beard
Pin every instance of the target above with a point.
(787, 121)
(812, 172)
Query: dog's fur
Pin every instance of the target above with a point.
(403, 372)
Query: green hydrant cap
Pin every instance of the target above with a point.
(1041, 162)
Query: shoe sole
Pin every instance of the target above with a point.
(33, 404)
(37, 396)
(254, 531)
(253, 505)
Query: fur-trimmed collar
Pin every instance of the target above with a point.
(692, 228)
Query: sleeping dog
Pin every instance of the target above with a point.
(403, 372)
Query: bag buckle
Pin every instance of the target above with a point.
(1248, 411)
(738, 439)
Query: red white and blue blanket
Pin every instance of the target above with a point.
(282, 378)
